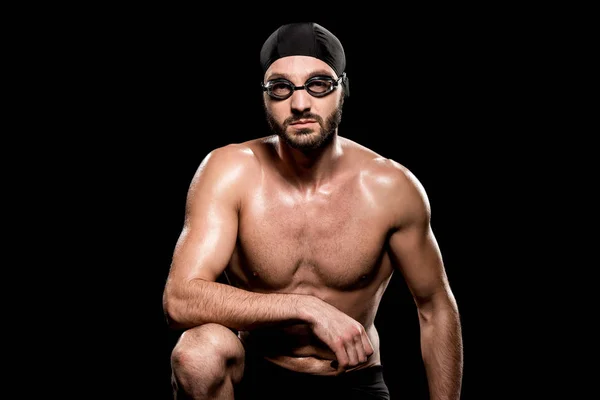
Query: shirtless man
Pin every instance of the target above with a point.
(307, 227)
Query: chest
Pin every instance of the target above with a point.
(333, 237)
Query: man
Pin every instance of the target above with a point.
(307, 227)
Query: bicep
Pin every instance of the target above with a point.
(412, 246)
(415, 252)
(209, 234)
(206, 242)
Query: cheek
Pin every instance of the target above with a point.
(331, 107)
(277, 111)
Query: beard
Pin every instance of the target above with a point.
(305, 139)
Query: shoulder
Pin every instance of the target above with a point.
(225, 167)
(392, 178)
(380, 172)
(393, 186)
(231, 156)
(399, 190)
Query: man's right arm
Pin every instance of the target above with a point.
(192, 296)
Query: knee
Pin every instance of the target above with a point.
(209, 349)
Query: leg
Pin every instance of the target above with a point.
(206, 363)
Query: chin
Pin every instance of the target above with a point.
(304, 141)
(302, 132)
(302, 135)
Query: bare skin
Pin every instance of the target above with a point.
(309, 240)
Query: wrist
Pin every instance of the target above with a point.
(305, 306)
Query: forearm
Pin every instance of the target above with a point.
(442, 350)
(201, 302)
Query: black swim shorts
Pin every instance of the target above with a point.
(266, 381)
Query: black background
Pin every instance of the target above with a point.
(455, 95)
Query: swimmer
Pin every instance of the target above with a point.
(306, 227)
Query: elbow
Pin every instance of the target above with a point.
(438, 306)
(425, 310)
(172, 312)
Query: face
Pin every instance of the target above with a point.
(303, 121)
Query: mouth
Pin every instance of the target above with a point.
(302, 123)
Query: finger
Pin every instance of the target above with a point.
(360, 350)
(340, 355)
(352, 352)
(367, 346)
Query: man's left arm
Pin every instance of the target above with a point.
(415, 252)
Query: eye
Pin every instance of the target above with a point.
(281, 88)
(320, 85)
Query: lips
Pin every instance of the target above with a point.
(303, 121)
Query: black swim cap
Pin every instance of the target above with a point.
(304, 39)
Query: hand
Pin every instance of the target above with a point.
(345, 336)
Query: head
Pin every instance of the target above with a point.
(304, 84)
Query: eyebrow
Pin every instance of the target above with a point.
(319, 72)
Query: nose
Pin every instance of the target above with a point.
(301, 101)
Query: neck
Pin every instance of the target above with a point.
(310, 168)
